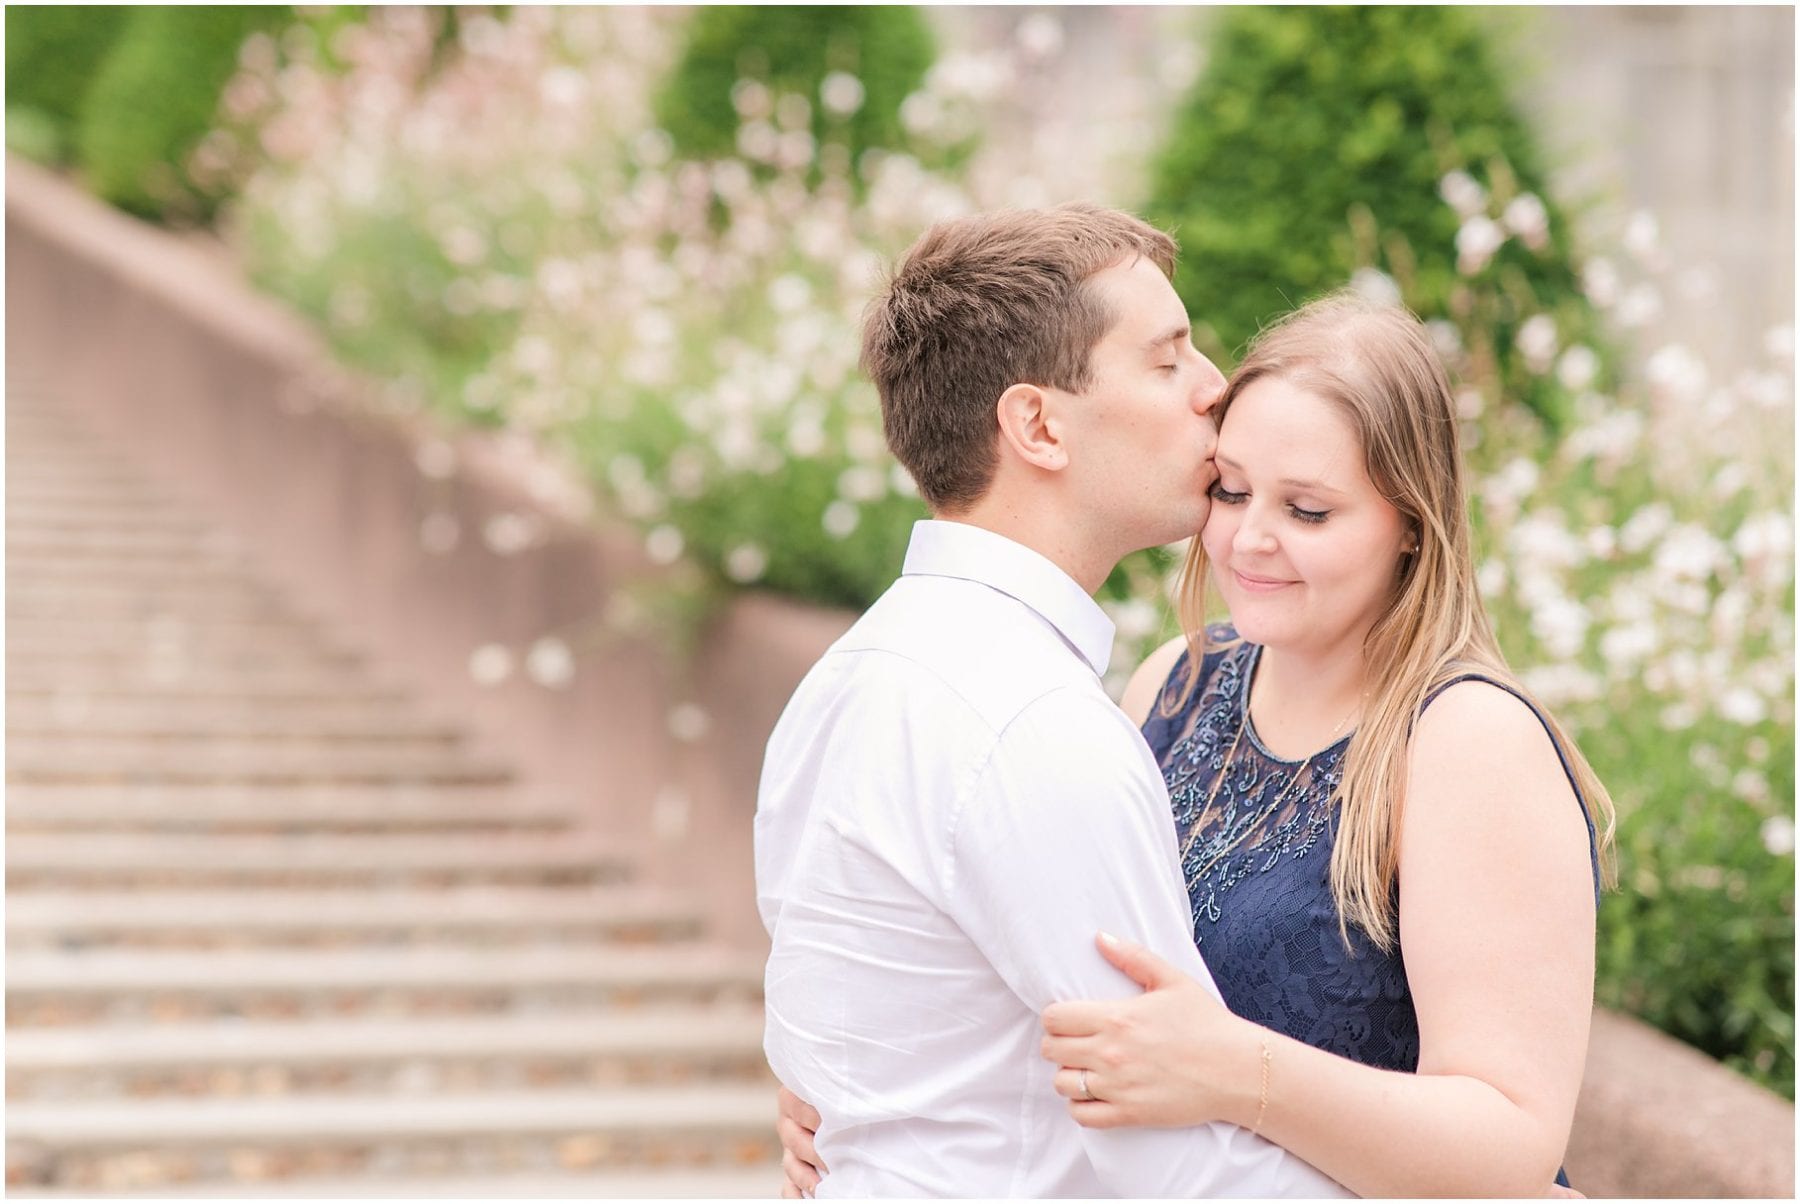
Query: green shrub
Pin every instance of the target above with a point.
(791, 49)
(155, 97)
(52, 55)
(1309, 121)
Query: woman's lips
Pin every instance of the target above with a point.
(1259, 585)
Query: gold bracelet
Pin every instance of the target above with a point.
(1262, 1107)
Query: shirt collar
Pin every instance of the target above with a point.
(941, 548)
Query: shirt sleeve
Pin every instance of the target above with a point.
(1067, 833)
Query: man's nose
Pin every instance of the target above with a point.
(1209, 387)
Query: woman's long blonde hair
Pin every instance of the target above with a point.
(1377, 364)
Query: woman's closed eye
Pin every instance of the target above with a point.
(1229, 498)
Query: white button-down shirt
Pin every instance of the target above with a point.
(950, 809)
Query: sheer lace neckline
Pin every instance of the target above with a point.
(1249, 724)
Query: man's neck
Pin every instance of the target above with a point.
(1050, 539)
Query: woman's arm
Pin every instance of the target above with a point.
(1146, 683)
(1497, 925)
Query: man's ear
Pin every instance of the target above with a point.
(1030, 427)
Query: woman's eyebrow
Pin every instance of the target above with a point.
(1290, 482)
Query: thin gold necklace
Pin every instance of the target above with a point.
(1273, 808)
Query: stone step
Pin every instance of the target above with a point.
(105, 602)
(309, 694)
(135, 636)
(97, 861)
(419, 1054)
(166, 733)
(109, 761)
(163, 524)
(216, 809)
(159, 578)
(290, 918)
(263, 657)
(721, 1125)
(757, 1181)
(59, 988)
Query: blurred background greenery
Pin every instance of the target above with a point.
(643, 237)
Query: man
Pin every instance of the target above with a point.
(950, 805)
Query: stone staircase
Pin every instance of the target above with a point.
(275, 930)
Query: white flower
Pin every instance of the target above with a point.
(508, 533)
(435, 459)
(1134, 619)
(1740, 704)
(1561, 684)
(1040, 36)
(1677, 375)
(1778, 835)
(789, 292)
(1600, 281)
(841, 93)
(439, 533)
(840, 519)
(1462, 193)
(1751, 785)
(664, 544)
(1541, 539)
(550, 663)
(1764, 542)
(1641, 234)
(490, 664)
(1645, 527)
(1628, 645)
(1376, 286)
(861, 483)
(1445, 337)
(1490, 578)
(746, 563)
(1578, 367)
(1476, 243)
(1525, 216)
(1562, 624)
(1689, 552)
(688, 723)
(1536, 341)
(1778, 342)
(1640, 306)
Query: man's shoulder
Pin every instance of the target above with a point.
(942, 636)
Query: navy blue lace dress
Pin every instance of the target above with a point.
(1259, 873)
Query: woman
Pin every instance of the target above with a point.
(1358, 730)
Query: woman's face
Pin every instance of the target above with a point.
(1303, 546)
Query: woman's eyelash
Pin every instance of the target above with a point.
(1222, 494)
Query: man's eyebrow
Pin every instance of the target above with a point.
(1178, 332)
(1290, 482)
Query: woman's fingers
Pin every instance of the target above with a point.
(801, 1177)
(1074, 1019)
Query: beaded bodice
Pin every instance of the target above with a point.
(1256, 851)
(1256, 834)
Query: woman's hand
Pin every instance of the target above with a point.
(1173, 1056)
(795, 1123)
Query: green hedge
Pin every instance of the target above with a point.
(792, 48)
(53, 53)
(1306, 118)
(156, 96)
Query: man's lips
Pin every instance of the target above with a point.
(1259, 585)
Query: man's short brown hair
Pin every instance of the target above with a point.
(978, 305)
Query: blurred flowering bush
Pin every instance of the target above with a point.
(502, 233)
